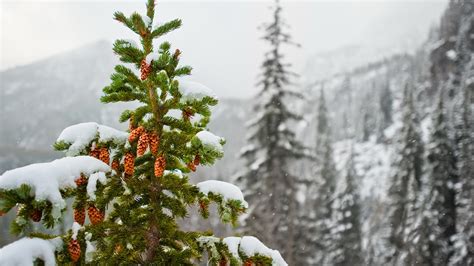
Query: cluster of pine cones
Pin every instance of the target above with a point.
(96, 216)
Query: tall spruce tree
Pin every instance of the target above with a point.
(464, 245)
(268, 180)
(346, 232)
(405, 182)
(324, 185)
(135, 185)
(443, 178)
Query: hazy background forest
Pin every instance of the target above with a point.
(387, 96)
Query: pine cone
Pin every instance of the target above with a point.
(248, 262)
(197, 160)
(118, 248)
(223, 262)
(145, 69)
(192, 166)
(94, 153)
(154, 143)
(74, 250)
(95, 215)
(1, 213)
(82, 180)
(160, 165)
(80, 216)
(129, 163)
(142, 145)
(36, 215)
(135, 134)
(116, 165)
(104, 155)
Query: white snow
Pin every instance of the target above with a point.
(26, 250)
(251, 246)
(175, 172)
(210, 140)
(75, 230)
(232, 243)
(227, 190)
(451, 54)
(47, 179)
(248, 245)
(81, 135)
(92, 183)
(191, 91)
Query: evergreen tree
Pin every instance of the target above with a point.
(405, 182)
(134, 185)
(443, 178)
(385, 107)
(464, 245)
(268, 180)
(324, 185)
(346, 231)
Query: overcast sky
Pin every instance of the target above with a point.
(218, 38)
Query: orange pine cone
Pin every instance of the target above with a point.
(160, 165)
(115, 165)
(95, 215)
(223, 262)
(104, 155)
(192, 166)
(74, 250)
(94, 153)
(1, 213)
(129, 163)
(154, 143)
(118, 248)
(80, 216)
(82, 180)
(135, 134)
(143, 142)
(36, 215)
(248, 262)
(145, 69)
(197, 160)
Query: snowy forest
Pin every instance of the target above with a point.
(369, 165)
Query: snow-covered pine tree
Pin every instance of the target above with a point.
(268, 179)
(442, 177)
(384, 118)
(133, 186)
(346, 232)
(324, 185)
(405, 182)
(464, 240)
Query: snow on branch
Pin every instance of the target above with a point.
(26, 250)
(247, 248)
(47, 179)
(210, 141)
(192, 91)
(80, 136)
(228, 191)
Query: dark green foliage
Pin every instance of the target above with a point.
(142, 210)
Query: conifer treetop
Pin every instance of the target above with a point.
(134, 186)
